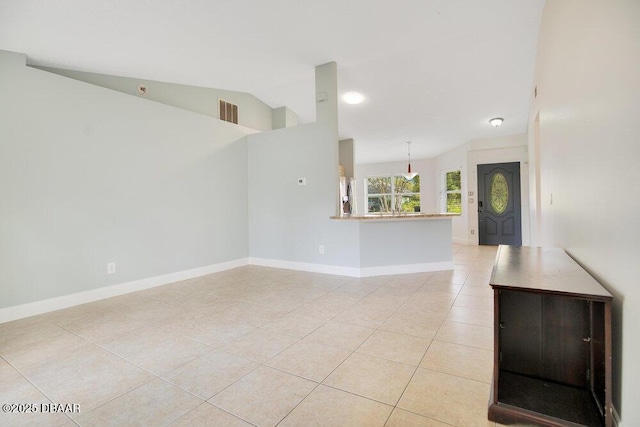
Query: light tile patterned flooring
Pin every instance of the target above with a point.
(265, 347)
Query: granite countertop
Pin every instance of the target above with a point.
(395, 217)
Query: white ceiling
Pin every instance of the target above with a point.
(432, 71)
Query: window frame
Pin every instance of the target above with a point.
(444, 192)
(392, 194)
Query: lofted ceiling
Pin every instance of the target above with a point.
(433, 72)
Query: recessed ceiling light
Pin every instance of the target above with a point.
(497, 121)
(353, 98)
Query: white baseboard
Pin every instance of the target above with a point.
(406, 268)
(44, 306)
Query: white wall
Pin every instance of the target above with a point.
(425, 167)
(283, 117)
(587, 69)
(252, 112)
(346, 157)
(90, 176)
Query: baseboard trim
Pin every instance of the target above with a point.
(44, 306)
(406, 268)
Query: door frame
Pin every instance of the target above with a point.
(516, 153)
(518, 208)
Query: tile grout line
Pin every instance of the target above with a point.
(211, 404)
(33, 384)
(417, 366)
(154, 375)
(378, 329)
(422, 359)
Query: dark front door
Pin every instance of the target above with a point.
(499, 217)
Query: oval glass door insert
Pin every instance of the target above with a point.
(499, 193)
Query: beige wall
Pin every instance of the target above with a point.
(586, 147)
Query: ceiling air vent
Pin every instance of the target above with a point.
(228, 111)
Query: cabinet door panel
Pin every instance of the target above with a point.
(521, 332)
(565, 346)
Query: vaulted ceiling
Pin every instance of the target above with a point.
(432, 71)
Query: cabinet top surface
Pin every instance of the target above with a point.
(543, 269)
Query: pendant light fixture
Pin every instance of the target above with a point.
(409, 175)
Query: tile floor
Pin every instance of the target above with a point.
(264, 347)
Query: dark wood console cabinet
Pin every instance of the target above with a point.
(552, 341)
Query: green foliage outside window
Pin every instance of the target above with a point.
(454, 203)
(454, 191)
(454, 181)
(386, 194)
(409, 201)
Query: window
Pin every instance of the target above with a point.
(452, 192)
(228, 111)
(499, 193)
(392, 193)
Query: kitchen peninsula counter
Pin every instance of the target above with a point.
(401, 243)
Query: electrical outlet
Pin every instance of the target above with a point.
(111, 267)
(321, 249)
(473, 231)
